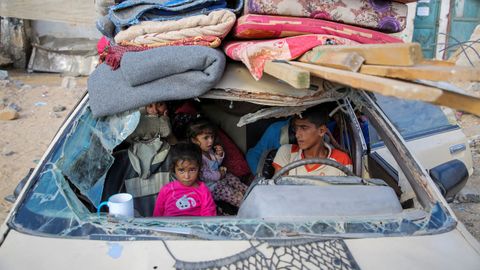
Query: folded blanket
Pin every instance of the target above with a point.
(217, 23)
(254, 54)
(383, 15)
(209, 41)
(254, 26)
(112, 56)
(160, 74)
(132, 12)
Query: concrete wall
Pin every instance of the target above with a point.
(62, 30)
(443, 20)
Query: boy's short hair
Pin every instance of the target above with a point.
(186, 151)
(318, 115)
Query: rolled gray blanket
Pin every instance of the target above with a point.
(161, 74)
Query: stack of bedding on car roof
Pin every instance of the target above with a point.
(163, 50)
(158, 51)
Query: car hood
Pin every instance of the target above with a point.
(451, 250)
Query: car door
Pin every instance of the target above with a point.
(428, 132)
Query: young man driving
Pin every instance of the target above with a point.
(310, 129)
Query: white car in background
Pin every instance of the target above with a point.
(432, 135)
(359, 221)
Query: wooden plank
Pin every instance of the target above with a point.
(395, 54)
(294, 76)
(351, 61)
(440, 63)
(424, 72)
(69, 11)
(459, 101)
(396, 88)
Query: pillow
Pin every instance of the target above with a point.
(234, 159)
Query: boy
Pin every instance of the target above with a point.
(310, 129)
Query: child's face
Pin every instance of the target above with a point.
(307, 133)
(161, 107)
(187, 172)
(205, 141)
(151, 109)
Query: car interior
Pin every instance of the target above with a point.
(351, 195)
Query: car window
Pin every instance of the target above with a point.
(411, 118)
(64, 195)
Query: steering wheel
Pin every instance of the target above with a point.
(302, 162)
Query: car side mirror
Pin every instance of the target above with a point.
(13, 197)
(450, 177)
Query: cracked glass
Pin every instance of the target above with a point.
(81, 158)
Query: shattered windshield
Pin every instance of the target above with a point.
(72, 177)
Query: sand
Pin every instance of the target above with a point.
(23, 141)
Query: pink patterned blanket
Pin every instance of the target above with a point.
(254, 26)
(254, 54)
(383, 15)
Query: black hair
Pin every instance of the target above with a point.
(200, 126)
(186, 151)
(317, 115)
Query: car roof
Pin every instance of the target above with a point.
(237, 84)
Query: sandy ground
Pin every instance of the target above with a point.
(24, 140)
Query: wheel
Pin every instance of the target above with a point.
(302, 162)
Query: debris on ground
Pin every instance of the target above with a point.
(467, 198)
(18, 84)
(40, 104)
(14, 107)
(8, 152)
(8, 114)
(59, 108)
(3, 74)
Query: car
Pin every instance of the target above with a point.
(431, 134)
(388, 212)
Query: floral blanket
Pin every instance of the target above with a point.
(383, 15)
(254, 26)
(254, 54)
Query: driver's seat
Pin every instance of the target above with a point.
(265, 166)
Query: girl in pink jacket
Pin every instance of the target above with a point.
(186, 196)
